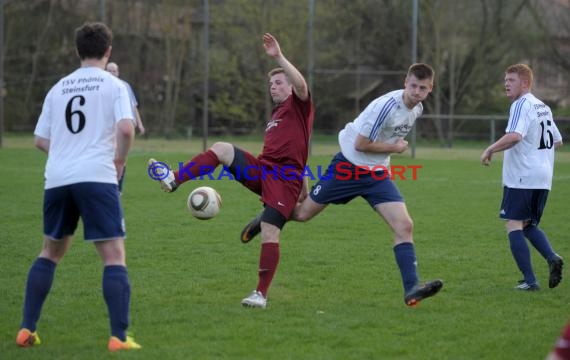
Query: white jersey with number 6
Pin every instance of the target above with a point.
(79, 117)
(530, 163)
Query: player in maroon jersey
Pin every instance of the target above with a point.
(561, 350)
(276, 174)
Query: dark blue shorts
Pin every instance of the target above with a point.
(342, 182)
(97, 204)
(523, 204)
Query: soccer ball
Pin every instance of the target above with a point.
(204, 203)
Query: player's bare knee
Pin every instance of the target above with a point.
(55, 250)
(269, 233)
(302, 216)
(405, 228)
(55, 258)
(224, 151)
(299, 215)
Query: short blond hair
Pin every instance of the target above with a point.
(523, 71)
(277, 70)
(274, 71)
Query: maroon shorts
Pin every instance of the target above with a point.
(279, 185)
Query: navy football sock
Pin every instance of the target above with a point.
(38, 285)
(406, 260)
(117, 294)
(521, 253)
(539, 240)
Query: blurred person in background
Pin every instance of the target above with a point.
(113, 68)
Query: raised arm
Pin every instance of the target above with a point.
(297, 80)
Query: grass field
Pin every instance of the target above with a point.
(337, 293)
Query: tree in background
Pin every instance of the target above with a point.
(238, 64)
(469, 44)
(362, 48)
(38, 49)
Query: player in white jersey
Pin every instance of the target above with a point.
(386, 120)
(86, 129)
(361, 169)
(529, 144)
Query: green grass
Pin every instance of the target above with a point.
(337, 293)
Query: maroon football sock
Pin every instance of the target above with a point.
(200, 165)
(268, 260)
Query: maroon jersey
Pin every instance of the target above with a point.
(562, 348)
(288, 132)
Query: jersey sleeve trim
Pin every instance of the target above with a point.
(516, 114)
(383, 114)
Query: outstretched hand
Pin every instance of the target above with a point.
(271, 45)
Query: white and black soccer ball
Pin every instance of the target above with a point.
(204, 203)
